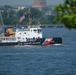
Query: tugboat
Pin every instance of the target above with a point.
(26, 36)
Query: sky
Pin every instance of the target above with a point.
(28, 2)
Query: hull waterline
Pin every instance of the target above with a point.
(41, 41)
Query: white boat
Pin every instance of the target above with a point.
(26, 36)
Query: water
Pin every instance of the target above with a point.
(41, 60)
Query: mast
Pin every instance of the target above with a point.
(1, 19)
(29, 19)
(38, 21)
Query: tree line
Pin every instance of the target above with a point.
(10, 16)
(63, 14)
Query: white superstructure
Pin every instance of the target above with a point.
(29, 33)
(22, 35)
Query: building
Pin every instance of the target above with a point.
(40, 4)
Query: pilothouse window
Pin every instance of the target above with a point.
(35, 30)
(39, 30)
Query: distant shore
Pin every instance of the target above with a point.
(42, 26)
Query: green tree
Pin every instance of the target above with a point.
(35, 13)
(9, 15)
(66, 14)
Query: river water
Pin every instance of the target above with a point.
(41, 60)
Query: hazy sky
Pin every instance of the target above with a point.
(28, 2)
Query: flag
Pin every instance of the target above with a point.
(22, 18)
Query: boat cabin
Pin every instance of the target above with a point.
(26, 34)
(20, 34)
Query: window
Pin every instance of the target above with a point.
(35, 30)
(13, 38)
(18, 37)
(39, 30)
(7, 38)
(20, 33)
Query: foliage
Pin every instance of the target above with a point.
(66, 13)
(35, 13)
(34, 21)
(10, 16)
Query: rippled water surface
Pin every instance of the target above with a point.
(41, 60)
